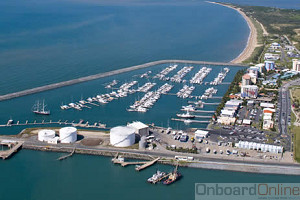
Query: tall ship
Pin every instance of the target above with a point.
(173, 176)
(39, 108)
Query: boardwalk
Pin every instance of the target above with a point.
(102, 75)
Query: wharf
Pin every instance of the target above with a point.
(144, 164)
(148, 164)
(7, 153)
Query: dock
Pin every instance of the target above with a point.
(204, 111)
(139, 168)
(7, 153)
(60, 122)
(190, 120)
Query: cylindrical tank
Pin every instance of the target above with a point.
(143, 142)
(122, 136)
(46, 135)
(68, 135)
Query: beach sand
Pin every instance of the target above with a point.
(252, 39)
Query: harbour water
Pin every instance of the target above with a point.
(49, 41)
(38, 175)
(114, 113)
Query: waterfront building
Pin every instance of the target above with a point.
(259, 147)
(249, 91)
(233, 104)
(296, 65)
(246, 79)
(260, 67)
(140, 128)
(253, 70)
(269, 65)
(226, 120)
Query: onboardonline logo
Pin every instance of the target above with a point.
(240, 191)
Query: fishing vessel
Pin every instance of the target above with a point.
(173, 176)
(156, 177)
(39, 108)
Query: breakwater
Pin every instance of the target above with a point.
(104, 74)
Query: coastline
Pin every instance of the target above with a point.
(252, 42)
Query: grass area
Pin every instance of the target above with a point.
(296, 131)
(275, 20)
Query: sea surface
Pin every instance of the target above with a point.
(47, 41)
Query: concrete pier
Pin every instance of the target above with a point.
(15, 146)
(105, 74)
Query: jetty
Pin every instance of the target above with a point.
(144, 164)
(106, 74)
(139, 168)
(14, 147)
(67, 156)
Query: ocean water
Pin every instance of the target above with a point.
(43, 42)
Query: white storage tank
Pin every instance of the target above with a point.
(68, 135)
(46, 135)
(122, 136)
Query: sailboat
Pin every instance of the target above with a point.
(39, 108)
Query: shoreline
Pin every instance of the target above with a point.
(252, 42)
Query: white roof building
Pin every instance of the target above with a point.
(201, 134)
(140, 128)
(259, 147)
(246, 121)
(227, 113)
(267, 105)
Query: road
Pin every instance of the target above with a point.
(284, 103)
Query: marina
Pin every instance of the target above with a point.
(129, 93)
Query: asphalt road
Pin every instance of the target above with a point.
(284, 103)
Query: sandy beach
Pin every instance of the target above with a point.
(252, 39)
